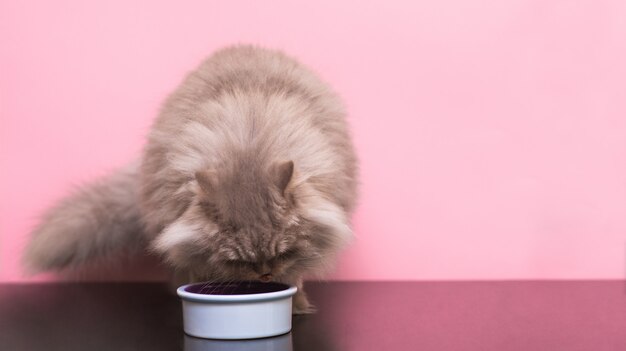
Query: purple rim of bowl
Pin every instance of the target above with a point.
(235, 291)
(235, 288)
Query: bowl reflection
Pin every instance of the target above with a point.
(277, 343)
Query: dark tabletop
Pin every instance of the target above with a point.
(548, 315)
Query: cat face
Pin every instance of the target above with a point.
(262, 241)
(248, 257)
(253, 225)
(256, 226)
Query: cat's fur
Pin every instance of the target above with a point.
(248, 173)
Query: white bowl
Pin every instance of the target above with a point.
(238, 310)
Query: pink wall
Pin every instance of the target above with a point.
(492, 133)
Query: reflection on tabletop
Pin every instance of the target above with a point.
(276, 343)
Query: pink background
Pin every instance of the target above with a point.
(492, 134)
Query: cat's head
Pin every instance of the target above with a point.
(250, 222)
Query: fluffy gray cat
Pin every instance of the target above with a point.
(249, 173)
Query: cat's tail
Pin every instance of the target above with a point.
(95, 221)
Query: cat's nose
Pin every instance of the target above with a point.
(267, 277)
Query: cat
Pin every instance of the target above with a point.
(249, 173)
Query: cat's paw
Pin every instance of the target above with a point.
(301, 305)
(305, 310)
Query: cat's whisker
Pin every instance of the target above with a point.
(205, 285)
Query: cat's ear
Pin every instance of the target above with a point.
(207, 180)
(282, 173)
